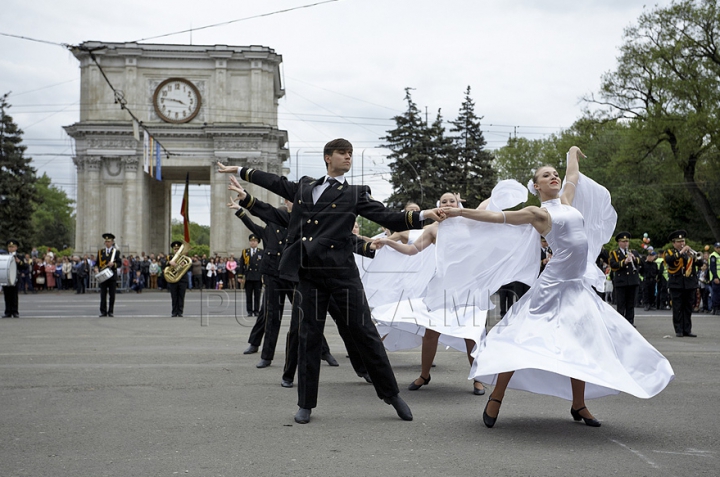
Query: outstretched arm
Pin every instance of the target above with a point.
(535, 216)
(572, 175)
(426, 239)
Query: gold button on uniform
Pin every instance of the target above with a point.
(304, 239)
(316, 222)
(310, 239)
(333, 206)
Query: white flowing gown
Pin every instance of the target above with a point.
(561, 329)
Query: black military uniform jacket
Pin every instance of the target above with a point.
(320, 237)
(103, 260)
(625, 274)
(649, 270)
(249, 265)
(273, 238)
(682, 270)
(281, 218)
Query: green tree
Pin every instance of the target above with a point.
(17, 182)
(411, 144)
(476, 177)
(667, 85)
(53, 218)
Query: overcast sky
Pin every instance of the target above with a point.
(345, 66)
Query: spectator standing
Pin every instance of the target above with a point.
(649, 271)
(714, 277)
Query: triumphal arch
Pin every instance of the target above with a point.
(203, 104)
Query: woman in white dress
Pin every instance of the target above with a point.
(431, 336)
(561, 329)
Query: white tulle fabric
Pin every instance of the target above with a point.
(476, 258)
(561, 329)
(402, 316)
(392, 276)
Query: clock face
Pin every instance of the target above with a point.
(176, 100)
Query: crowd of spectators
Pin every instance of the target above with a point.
(137, 272)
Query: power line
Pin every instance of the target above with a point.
(235, 21)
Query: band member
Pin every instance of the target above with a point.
(177, 289)
(682, 281)
(714, 276)
(625, 264)
(10, 291)
(108, 258)
(250, 275)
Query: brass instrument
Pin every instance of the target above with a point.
(698, 255)
(182, 265)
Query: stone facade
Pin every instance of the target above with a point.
(236, 124)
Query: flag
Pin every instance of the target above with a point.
(136, 130)
(184, 209)
(158, 173)
(146, 152)
(151, 156)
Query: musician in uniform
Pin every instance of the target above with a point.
(714, 276)
(625, 264)
(177, 289)
(251, 276)
(10, 291)
(108, 258)
(682, 271)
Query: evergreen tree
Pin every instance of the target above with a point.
(54, 222)
(411, 144)
(17, 182)
(472, 164)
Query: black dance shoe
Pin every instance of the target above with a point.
(303, 416)
(589, 422)
(415, 387)
(330, 359)
(476, 391)
(490, 421)
(401, 407)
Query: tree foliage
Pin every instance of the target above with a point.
(426, 162)
(667, 86)
(53, 218)
(17, 182)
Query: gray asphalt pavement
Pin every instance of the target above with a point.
(144, 394)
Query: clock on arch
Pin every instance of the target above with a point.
(177, 100)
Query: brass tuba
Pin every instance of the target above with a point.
(182, 265)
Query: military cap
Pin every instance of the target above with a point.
(677, 235)
(176, 243)
(108, 236)
(253, 237)
(622, 235)
(12, 242)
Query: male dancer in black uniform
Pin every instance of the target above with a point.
(177, 289)
(108, 257)
(319, 256)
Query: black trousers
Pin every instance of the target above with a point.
(312, 301)
(11, 300)
(276, 291)
(625, 300)
(683, 300)
(107, 288)
(292, 342)
(715, 296)
(649, 292)
(177, 295)
(258, 329)
(253, 290)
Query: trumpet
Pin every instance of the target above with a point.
(697, 255)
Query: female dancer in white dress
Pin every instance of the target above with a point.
(560, 329)
(431, 336)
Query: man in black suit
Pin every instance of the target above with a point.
(319, 256)
(682, 270)
(625, 264)
(108, 258)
